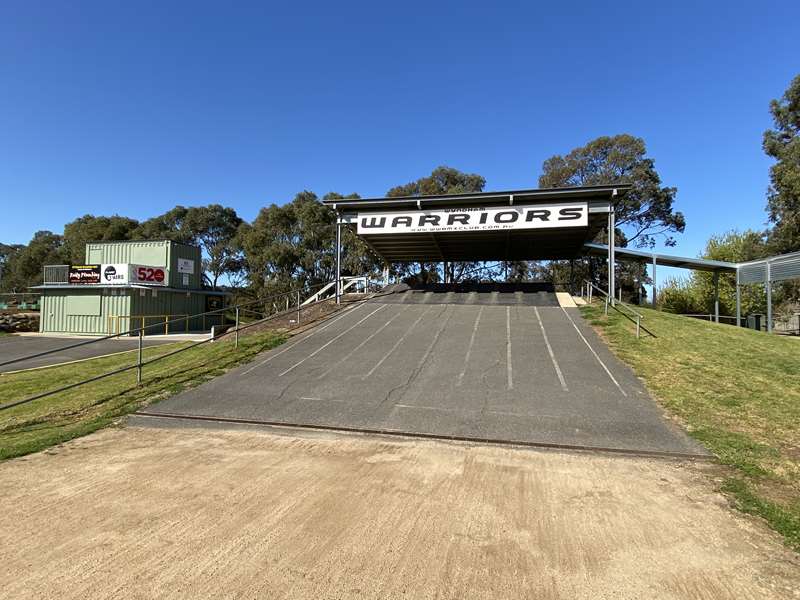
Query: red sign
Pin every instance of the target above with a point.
(151, 275)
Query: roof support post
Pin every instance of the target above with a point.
(611, 259)
(338, 260)
(716, 296)
(571, 276)
(738, 300)
(768, 285)
(655, 284)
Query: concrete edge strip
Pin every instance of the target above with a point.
(433, 436)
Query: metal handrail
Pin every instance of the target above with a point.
(136, 330)
(618, 305)
(140, 363)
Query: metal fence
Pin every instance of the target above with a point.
(294, 308)
(56, 274)
(618, 305)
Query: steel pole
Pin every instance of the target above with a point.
(768, 284)
(298, 307)
(655, 300)
(716, 296)
(139, 357)
(236, 334)
(738, 300)
(338, 259)
(611, 258)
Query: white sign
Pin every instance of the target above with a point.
(114, 274)
(149, 275)
(492, 218)
(185, 266)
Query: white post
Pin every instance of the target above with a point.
(716, 296)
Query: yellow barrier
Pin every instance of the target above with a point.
(113, 324)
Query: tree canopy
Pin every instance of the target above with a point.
(214, 228)
(89, 228)
(783, 144)
(647, 211)
(293, 245)
(442, 180)
(22, 265)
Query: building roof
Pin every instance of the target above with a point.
(134, 286)
(698, 264)
(484, 244)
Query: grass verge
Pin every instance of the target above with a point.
(42, 423)
(735, 390)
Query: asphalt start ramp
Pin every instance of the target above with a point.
(492, 294)
(481, 365)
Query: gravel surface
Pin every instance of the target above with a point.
(253, 513)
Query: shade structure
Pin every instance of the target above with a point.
(537, 224)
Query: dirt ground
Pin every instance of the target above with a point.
(199, 513)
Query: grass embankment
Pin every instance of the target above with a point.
(737, 391)
(42, 423)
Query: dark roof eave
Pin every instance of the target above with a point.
(600, 192)
(100, 286)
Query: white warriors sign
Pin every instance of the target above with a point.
(491, 218)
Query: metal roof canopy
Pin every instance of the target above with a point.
(667, 260)
(479, 245)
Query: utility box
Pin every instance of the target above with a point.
(125, 285)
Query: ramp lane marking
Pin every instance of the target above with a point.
(362, 344)
(509, 368)
(300, 341)
(602, 364)
(397, 343)
(469, 348)
(326, 344)
(550, 351)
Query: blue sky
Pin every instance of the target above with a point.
(131, 108)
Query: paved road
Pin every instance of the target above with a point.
(14, 346)
(529, 374)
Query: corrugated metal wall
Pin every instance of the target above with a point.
(192, 253)
(157, 253)
(154, 253)
(176, 304)
(55, 317)
(781, 268)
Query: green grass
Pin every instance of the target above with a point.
(43, 423)
(736, 391)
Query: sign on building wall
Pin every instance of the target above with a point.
(493, 218)
(84, 274)
(185, 265)
(148, 275)
(116, 274)
(214, 302)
